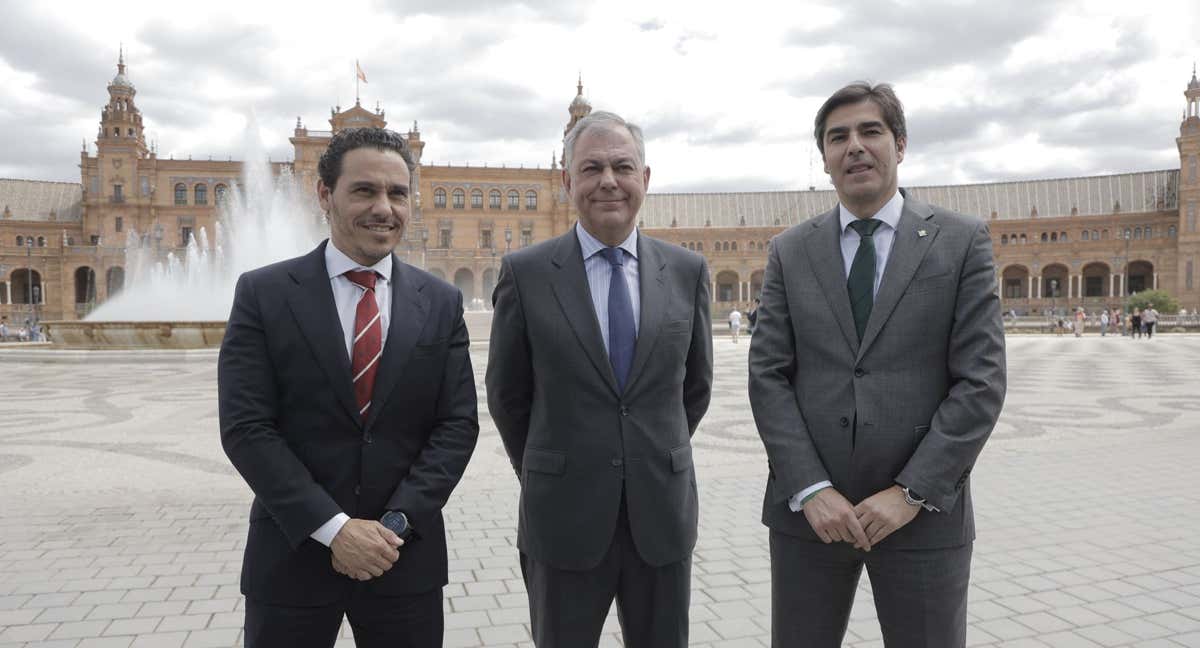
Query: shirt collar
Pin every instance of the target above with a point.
(590, 245)
(337, 263)
(889, 213)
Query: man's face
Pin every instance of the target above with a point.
(606, 182)
(368, 208)
(861, 156)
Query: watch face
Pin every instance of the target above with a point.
(397, 522)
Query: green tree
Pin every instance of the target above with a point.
(1159, 299)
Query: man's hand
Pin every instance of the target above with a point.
(834, 519)
(884, 512)
(364, 549)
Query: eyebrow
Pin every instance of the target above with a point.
(860, 126)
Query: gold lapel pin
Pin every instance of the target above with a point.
(921, 233)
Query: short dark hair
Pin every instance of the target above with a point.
(881, 95)
(329, 168)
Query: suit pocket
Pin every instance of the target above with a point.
(429, 349)
(681, 458)
(677, 326)
(551, 462)
(930, 282)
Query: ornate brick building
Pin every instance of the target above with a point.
(1059, 242)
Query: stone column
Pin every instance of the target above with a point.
(1156, 281)
(8, 290)
(713, 292)
(1037, 284)
(1112, 285)
(1030, 293)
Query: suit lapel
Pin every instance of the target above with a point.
(570, 285)
(824, 249)
(651, 268)
(311, 302)
(908, 250)
(409, 310)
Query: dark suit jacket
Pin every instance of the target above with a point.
(925, 385)
(574, 440)
(290, 427)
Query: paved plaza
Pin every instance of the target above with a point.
(122, 522)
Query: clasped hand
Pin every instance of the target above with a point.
(364, 549)
(835, 520)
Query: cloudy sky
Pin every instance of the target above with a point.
(725, 91)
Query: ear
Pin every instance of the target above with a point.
(646, 178)
(825, 162)
(324, 195)
(901, 146)
(566, 180)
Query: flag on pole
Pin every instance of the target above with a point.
(361, 75)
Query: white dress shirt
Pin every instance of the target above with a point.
(599, 276)
(884, 236)
(346, 294)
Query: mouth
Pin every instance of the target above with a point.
(381, 228)
(858, 168)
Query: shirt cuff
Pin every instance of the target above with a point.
(329, 530)
(796, 502)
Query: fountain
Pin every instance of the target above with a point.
(182, 303)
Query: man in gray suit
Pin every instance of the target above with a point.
(599, 371)
(877, 372)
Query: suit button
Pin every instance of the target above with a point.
(624, 411)
(859, 372)
(845, 422)
(367, 438)
(617, 463)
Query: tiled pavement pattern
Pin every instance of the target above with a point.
(121, 521)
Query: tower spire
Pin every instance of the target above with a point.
(121, 60)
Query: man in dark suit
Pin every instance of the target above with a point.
(599, 371)
(346, 392)
(877, 372)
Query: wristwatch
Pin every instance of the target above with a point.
(398, 523)
(912, 499)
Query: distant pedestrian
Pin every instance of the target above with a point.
(1080, 318)
(735, 324)
(752, 317)
(1149, 319)
(1135, 329)
(4, 329)
(1103, 323)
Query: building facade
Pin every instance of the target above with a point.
(1059, 243)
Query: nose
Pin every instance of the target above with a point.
(382, 205)
(607, 178)
(854, 143)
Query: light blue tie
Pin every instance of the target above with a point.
(621, 333)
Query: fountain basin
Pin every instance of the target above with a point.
(83, 334)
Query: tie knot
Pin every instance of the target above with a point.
(364, 279)
(614, 255)
(866, 227)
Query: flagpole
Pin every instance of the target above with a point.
(356, 69)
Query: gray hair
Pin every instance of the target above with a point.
(595, 120)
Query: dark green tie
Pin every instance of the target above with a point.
(861, 282)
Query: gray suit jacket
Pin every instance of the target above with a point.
(573, 438)
(925, 385)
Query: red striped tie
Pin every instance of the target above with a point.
(368, 339)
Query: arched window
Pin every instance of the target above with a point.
(1096, 235)
(201, 192)
(531, 200)
(1062, 236)
(439, 198)
(180, 194)
(41, 241)
(1045, 237)
(20, 241)
(1024, 240)
(1171, 231)
(1128, 233)
(725, 246)
(1137, 232)
(1004, 239)
(1085, 235)
(460, 198)
(476, 199)
(734, 246)
(220, 192)
(1103, 235)
(1053, 237)
(1149, 229)
(700, 246)
(494, 199)
(514, 199)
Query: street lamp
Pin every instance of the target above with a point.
(29, 279)
(158, 237)
(1125, 285)
(507, 238)
(424, 245)
(1053, 294)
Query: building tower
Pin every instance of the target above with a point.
(1189, 197)
(117, 183)
(579, 108)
